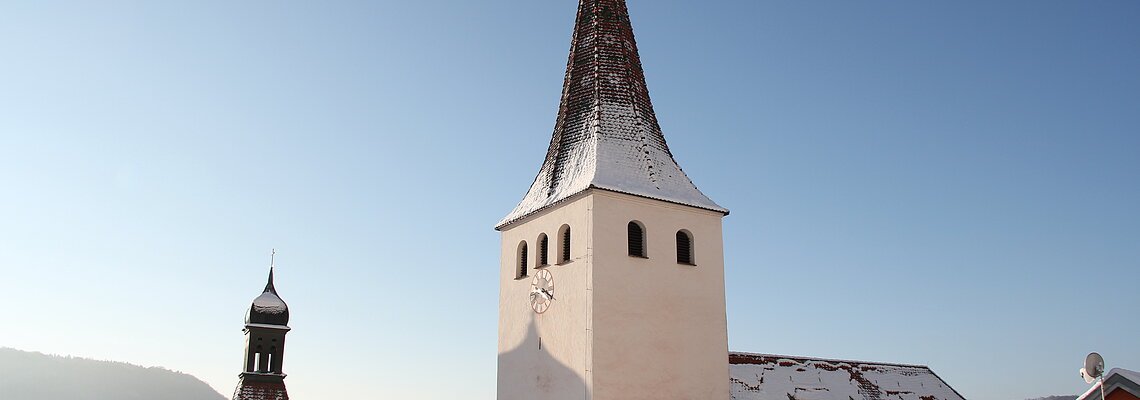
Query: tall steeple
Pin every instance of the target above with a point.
(266, 324)
(606, 135)
(611, 269)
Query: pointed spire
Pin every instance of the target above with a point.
(269, 286)
(606, 135)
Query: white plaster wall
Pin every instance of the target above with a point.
(622, 327)
(659, 328)
(558, 370)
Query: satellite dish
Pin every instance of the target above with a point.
(1094, 366)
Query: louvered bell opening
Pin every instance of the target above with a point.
(565, 256)
(522, 260)
(636, 240)
(543, 246)
(684, 248)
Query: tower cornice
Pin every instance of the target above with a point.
(268, 326)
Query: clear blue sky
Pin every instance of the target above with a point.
(945, 183)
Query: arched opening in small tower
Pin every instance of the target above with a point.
(261, 360)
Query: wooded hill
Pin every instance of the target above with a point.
(35, 376)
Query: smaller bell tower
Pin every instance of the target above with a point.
(266, 324)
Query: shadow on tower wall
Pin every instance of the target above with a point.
(529, 372)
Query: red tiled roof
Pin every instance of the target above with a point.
(251, 390)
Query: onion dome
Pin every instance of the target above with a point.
(268, 309)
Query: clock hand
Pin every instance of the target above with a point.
(547, 294)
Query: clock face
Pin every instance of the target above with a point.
(541, 291)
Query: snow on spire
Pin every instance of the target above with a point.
(606, 135)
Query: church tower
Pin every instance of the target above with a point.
(265, 327)
(612, 269)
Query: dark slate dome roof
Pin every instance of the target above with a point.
(268, 309)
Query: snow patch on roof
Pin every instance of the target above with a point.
(269, 303)
(772, 377)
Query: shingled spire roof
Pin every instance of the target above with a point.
(606, 135)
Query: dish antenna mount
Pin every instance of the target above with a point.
(1093, 370)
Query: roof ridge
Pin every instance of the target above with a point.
(838, 360)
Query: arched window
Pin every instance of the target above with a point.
(685, 247)
(543, 250)
(636, 239)
(564, 255)
(522, 260)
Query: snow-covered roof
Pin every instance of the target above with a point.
(268, 308)
(606, 135)
(774, 377)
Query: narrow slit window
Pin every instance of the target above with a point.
(636, 239)
(684, 248)
(262, 361)
(543, 247)
(564, 255)
(522, 260)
